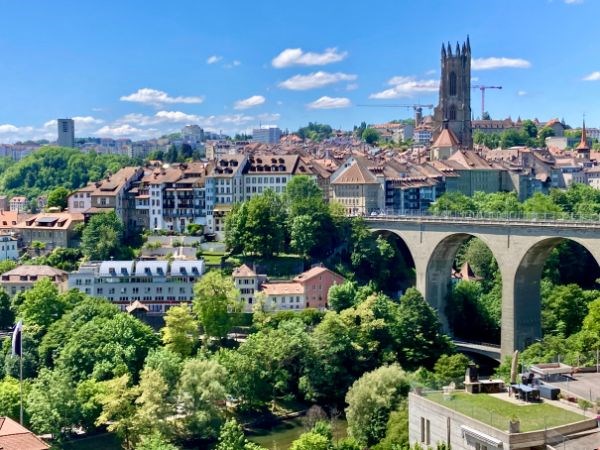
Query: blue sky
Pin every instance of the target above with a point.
(134, 68)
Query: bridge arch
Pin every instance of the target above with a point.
(439, 268)
(526, 293)
(404, 257)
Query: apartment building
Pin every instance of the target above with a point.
(157, 284)
(173, 197)
(18, 204)
(224, 187)
(267, 135)
(107, 194)
(24, 277)
(271, 172)
(357, 188)
(52, 229)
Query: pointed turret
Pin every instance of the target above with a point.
(443, 51)
(583, 142)
(457, 49)
(468, 45)
(449, 50)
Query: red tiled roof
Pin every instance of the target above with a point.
(16, 437)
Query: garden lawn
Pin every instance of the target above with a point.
(497, 413)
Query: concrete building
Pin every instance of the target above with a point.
(271, 172)
(66, 133)
(248, 283)
(52, 229)
(157, 284)
(432, 421)
(270, 135)
(24, 277)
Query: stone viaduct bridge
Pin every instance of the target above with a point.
(520, 246)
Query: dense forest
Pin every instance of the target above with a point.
(52, 167)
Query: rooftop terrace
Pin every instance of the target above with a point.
(493, 411)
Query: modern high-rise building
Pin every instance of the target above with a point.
(66, 133)
(270, 135)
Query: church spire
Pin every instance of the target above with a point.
(468, 45)
(443, 51)
(449, 50)
(457, 49)
(583, 142)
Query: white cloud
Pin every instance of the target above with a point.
(315, 80)
(124, 131)
(155, 97)
(86, 120)
(233, 64)
(213, 59)
(158, 118)
(351, 86)
(406, 87)
(498, 63)
(522, 93)
(573, 2)
(7, 128)
(297, 57)
(249, 102)
(594, 76)
(330, 103)
(431, 72)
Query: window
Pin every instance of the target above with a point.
(479, 446)
(452, 83)
(452, 114)
(425, 431)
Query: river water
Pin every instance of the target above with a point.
(281, 436)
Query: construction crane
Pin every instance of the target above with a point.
(482, 89)
(418, 108)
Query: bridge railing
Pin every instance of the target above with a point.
(482, 344)
(560, 217)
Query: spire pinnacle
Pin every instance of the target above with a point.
(449, 50)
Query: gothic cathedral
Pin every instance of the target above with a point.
(454, 107)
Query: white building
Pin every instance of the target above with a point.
(270, 135)
(8, 248)
(157, 284)
(66, 133)
(271, 172)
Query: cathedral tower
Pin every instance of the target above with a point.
(454, 106)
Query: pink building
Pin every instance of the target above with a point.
(316, 283)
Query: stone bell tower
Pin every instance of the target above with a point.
(454, 106)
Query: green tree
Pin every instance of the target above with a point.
(102, 236)
(311, 441)
(42, 305)
(107, 347)
(10, 398)
(396, 433)
(529, 128)
(453, 202)
(370, 136)
(118, 410)
(564, 308)
(214, 296)
(58, 198)
(7, 265)
(7, 317)
(370, 401)
(451, 369)
(202, 394)
(87, 399)
(180, 333)
(155, 442)
(342, 296)
(51, 402)
(153, 404)
(539, 203)
(231, 437)
(167, 363)
(303, 234)
(544, 133)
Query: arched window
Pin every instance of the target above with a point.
(452, 113)
(452, 83)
